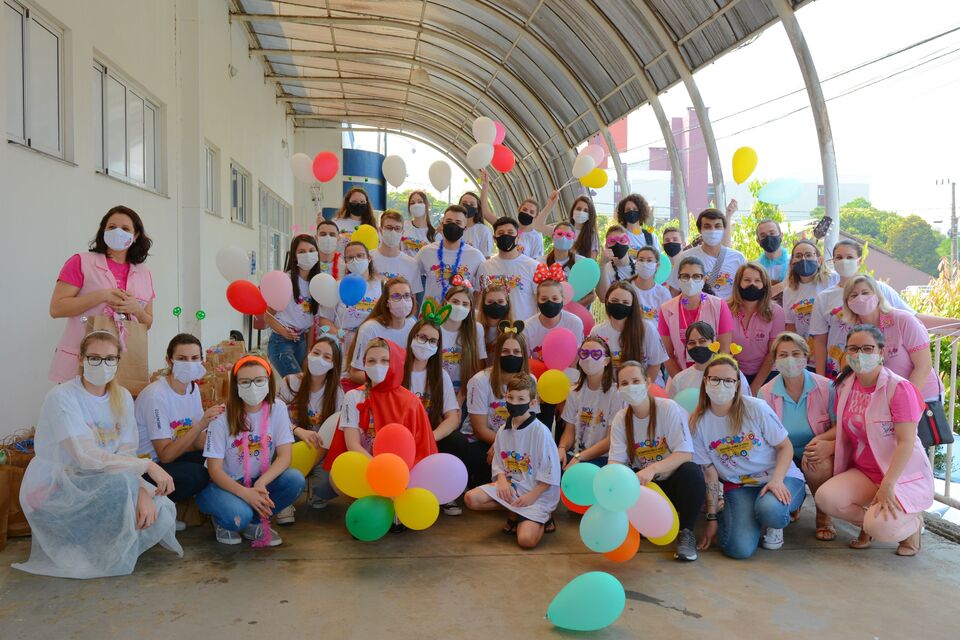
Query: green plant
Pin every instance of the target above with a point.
(743, 235)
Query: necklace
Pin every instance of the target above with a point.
(444, 282)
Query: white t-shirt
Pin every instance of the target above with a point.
(517, 276)
(413, 239)
(482, 402)
(297, 315)
(470, 261)
(353, 316)
(372, 329)
(748, 457)
(418, 382)
(350, 418)
(452, 353)
(672, 435)
(723, 283)
(535, 332)
(88, 416)
(287, 391)
(591, 413)
(399, 265)
(347, 226)
(653, 351)
(650, 301)
(531, 243)
(638, 241)
(611, 273)
(220, 444)
(798, 303)
(164, 414)
(480, 237)
(692, 377)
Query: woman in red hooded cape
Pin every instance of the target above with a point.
(385, 403)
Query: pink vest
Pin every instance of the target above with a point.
(96, 277)
(914, 488)
(670, 310)
(818, 403)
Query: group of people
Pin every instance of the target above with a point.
(803, 376)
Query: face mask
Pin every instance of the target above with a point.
(620, 250)
(646, 269)
(863, 304)
(391, 238)
(525, 218)
(307, 261)
(118, 239)
(631, 217)
(591, 366)
(186, 371)
(791, 367)
(377, 373)
(771, 243)
(459, 313)
(805, 268)
(318, 365)
(359, 266)
(400, 308)
(254, 395)
(752, 293)
(846, 267)
(418, 210)
(863, 362)
(517, 409)
(721, 395)
(672, 248)
(618, 310)
(356, 209)
(634, 394)
(691, 287)
(99, 376)
(700, 355)
(564, 244)
(580, 217)
(712, 237)
(327, 244)
(506, 242)
(471, 211)
(423, 351)
(511, 364)
(550, 309)
(493, 310)
(452, 231)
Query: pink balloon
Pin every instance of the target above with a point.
(596, 152)
(277, 289)
(651, 514)
(559, 348)
(567, 292)
(583, 313)
(501, 132)
(443, 475)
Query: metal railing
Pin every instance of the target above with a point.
(951, 335)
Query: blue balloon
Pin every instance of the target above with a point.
(352, 289)
(616, 487)
(780, 191)
(688, 398)
(589, 602)
(603, 530)
(577, 483)
(584, 276)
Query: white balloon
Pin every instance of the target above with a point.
(394, 170)
(302, 166)
(328, 429)
(583, 165)
(484, 130)
(440, 175)
(479, 155)
(233, 264)
(595, 151)
(324, 289)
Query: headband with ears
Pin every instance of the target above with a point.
(252, 360)
(435, 314)
(515, 327)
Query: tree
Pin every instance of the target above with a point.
(398, 200)
(913, 241)
(743, 235)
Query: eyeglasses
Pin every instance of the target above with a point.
(866, 349)
(94, 361)
(715, 381)
(805, 256)
(257, 382)
(398, 297)
(397, 229)
(354, 259)
(570, 235)
(612, 240)
(422, 339)
(686, 277)
(596, 354)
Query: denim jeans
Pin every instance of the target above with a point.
(746, 512)
(188, 473)
(287, 355)
(231, 512)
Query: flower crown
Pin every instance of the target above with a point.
(553, 272)
(434, 313)
(515, 327)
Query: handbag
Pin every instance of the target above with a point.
(132, 373)
(933, 428)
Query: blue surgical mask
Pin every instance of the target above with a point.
(564, 244)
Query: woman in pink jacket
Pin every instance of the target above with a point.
(107, 280)
(882, 478)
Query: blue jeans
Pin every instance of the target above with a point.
(287, 355)
(231, 512)
(746, 513)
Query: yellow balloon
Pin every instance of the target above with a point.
(304, 458)
(367, 235)
(744, 162)
(596, 179)
(553, 386)
(349, 474)
(416, 508)
(674, 528)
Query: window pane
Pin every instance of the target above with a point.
(150, 177)
(116, 127)
(13, 53)
(98, 118)
(135, 135)
(44, 95)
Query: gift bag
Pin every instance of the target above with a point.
(132, 373)
(17, 524)
(4, 503)
(16, 452)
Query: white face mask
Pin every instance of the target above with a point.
(712, 237)
(99, 376)
(423, 351)
(377, 373)
(721, 394)
(863, 362)
(253, 395)
(185, 371)
(400, 308)
(418, 210)
(691, 287)
(791, 367)
(327, 244)
(459, 313)
(318, 365)
(118, 239)
(646, 269)
(359, 266)
(391, 238)
(591, 366)
(846, 267)
(634, 394)
(308, 260)
(581, 217)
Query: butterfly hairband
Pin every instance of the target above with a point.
(553, 272)
(460, 281)
(435, 314)
(337, 337)
(734, 348)
(515, 327)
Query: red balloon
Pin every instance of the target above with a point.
(245, 297)
(396, 439)
(325, 166)
(583, 313)
(537, 368)
(503, 159)
(573, 506)
(656, 391)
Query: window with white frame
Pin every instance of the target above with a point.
(126, 128)
(239, 194)
(211, 181)
(276, 218)
(34, 79)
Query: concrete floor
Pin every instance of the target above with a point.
(464, 579)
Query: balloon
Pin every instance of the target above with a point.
(352, 288)
(628, 549)
(396, 439)
(616, 487)
(596, 152)
(304, 457)
(567, 292)
(416, 508)
(674, 528)
(233, 264)
(394, 170)
(577, 483)
(244, 296)
(596, 179)
(663, 270)
(277, 289)
(573, 506)
(367, 235)
(656, 391)
(325, 166)
(323, 289)
(584, 276)
(370, 517)
(559, 348)
(503, 159)
(439, 173)
(583, 165)
(652, 514)
(388, 475)
(302, 166)
(553, 386)
(349, 474)
(484, 130)
(688, 399)
(589, 602)
(780, 191)
(442, 474)
(744, 162)
(583, 313)
(501, 132)
(603, 530)
(479, 155)
(328, 429)
(537, 368)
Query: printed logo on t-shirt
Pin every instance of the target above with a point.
(255, 446)
(448, 272)
(515, 461)
(387, 275)
(802, 307)
(733, 448)
(413, 244)
(304, 302)
(453, 355)
(509, 282)
(180, 427)
(650, 313)
(647, 452)
(723, 279)
(107, 434)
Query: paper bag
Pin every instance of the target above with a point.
(132, 373)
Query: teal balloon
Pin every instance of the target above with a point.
(589, 602)
(616, 487)
(663, 271)
(369, 518)
(780, 191)
(577, 483)
(584, 276)
(352, 289)
(603, 530)
(688, 398)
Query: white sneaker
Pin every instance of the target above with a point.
(772, 539)
(452, 509)
(181, 526)
(225, 536)
(285, 516)
(255, 532)
(317, 503)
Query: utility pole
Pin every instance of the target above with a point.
(953, 225)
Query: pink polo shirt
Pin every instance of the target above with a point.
(903, 335)
(755, 337)
(71, 273)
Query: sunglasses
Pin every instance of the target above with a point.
(612, 240)
(564, 234)
(596, 354)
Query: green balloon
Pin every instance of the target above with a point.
(663, 271)
(589, 602)
(577, 483)
(201, 314)
(369, 518)
(177, 311)
(584, 276)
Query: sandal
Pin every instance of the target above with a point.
(910, 547)
(549, 526)
(862, 542)
(794, 515)
(826, 532)
(511, 527)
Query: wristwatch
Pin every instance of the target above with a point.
(577, 456)
(710, 517)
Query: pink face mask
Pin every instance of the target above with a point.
(863, 304)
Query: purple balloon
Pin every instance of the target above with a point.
(651, 515)
(443, 475)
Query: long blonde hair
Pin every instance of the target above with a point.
(847, 314)
(738, 410)
(114, 390)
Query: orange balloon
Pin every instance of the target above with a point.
(656, 391)
(388, 475)
(628, 549)
(573, 506)
(537, 367)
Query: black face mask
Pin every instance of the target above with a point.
(494, 310)
(805, 268)
(525, 218)
(672, 248)
(700, 354)
(356, 209)
(631, 217)
(452, 231)
(516, 410)
(471, 211)
(506, 242)
(618, 310)
(511, 364)
(550, 309)
(751, 293)
(771, 243)
(619, 250)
